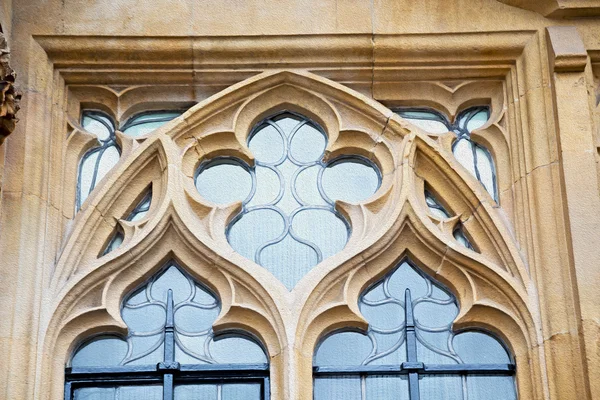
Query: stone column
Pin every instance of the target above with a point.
(573, 119)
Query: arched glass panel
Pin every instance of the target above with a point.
(139, 212)
(143, 123)
(288, 222)
(170, 351)
(410, 351)
(96, 163)
(473, 156)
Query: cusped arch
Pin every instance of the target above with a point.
(388, 226)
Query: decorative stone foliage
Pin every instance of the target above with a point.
(9, 96)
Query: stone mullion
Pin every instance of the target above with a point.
(577, 147)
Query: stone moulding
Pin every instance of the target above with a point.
(493, 287)
(499, 289)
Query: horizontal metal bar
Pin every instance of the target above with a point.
(484, 369)
(151, 372)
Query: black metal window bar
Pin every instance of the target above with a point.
(158, 314)
(168, 372)
(413, 368)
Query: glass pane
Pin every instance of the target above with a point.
(461, 238)
(350, 180)
(287, 224)
(478, 347)
(237, 350)
(382, 387)
(338, 387)
(195, 309)
(429, 121)
(146, 122)
(477, 119)
(151, 392)
(436, 387)
(100, 352)
(141, 209)
(115, 242)
(196, 392)
(435, 207)
(97, 124)
(333, 350)
(485, 167)
(482, 387)
(241, 391)
(224, 182)
(463, 152)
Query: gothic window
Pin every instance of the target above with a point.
(289, 222)
(410, 351)
(472, 155)
(170, 351)
(98, 161)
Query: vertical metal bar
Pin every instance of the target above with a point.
(169, 356)
(169, 330)
(68, 391)
(266, 389)
(168, 387)
(411, 346)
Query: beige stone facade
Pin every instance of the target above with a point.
(534, 280)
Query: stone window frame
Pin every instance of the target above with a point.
(510, 301)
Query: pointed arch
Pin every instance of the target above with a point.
(86, 291)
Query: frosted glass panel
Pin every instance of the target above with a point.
(482, 387)
(333, 350)
(248, 391)
(429, 121)
(289, 222)
(477, 347)
(437, 387)
(120, 393)
(338, 387)
(196, 392)
(435, 207)
(382, 387)
(102, 351)
(350, 364)
(146, 122)
(98, 161)
(461, 238)
(224, 182)
(351, 181)
(194, 310)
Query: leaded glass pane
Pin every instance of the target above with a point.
(146, 122)
(447, 387)
(338, 387)
(489, 387)
(410, 322)
(96, 163)
(195, 309)
(428, 120)
(473, 156)
(154, 392)
(289, 222)
(435, 207)
(461, 238)
(138, 213)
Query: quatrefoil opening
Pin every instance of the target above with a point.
(288, 223)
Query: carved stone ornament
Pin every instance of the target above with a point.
(9, 96)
